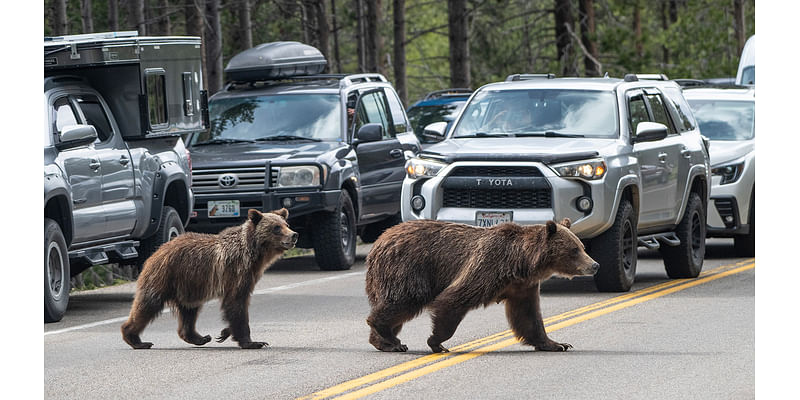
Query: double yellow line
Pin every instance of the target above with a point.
(363, 386)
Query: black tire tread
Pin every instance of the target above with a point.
(326, 236)
(53, 312)
(605, 249)
(678, 260)
(149, 246)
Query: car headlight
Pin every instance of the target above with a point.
(300, 175)
(418, 168)
(591, 170)
(729, 172)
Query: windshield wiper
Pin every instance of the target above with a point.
(481, 134)
(548, 134)
(286, 137)
(223, 141)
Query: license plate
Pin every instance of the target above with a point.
(488, 219)
(223, 208)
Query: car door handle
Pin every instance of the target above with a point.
(662, 157)
(124, 160)
(94, 164)
(396, 153)
(686, 153)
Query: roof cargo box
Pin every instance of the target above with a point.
(152, 84)
(275, 60)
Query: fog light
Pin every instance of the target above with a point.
(417, 203)
(287, 202)
(584, 203)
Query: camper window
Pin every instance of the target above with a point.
(156, 97)
(188, 101)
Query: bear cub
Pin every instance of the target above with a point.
(452, 268)
(195, 267)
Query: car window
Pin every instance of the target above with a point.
(681, 110)
(95, 115)
(396, 108)
(725, 119)
(660, 111)
(638, 111)
(64, 114)
(373, 110)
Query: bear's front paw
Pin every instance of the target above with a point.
(553, 346)
(253, 345)
(223, 335)
(439, 348)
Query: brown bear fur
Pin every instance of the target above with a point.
(194, 268)
(452, 268)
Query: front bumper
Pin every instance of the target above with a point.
(303, 203)
(729, 208)
(564, 193)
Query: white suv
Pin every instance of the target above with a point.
(727, 117)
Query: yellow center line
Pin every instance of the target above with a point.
(438, 361)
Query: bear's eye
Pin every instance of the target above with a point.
(276, 229)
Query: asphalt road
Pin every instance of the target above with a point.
(666, 339)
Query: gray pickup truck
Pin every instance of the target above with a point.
(117, 177)
(622, 158)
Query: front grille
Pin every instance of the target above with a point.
(480, 198)
(495, 171)
(250, 180)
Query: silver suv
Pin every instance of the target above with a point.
(622, 158)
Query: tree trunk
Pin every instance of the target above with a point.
(193, 16)
(664, 28)
(164, 25)
(307, 17)
(360, 42)
(459, 43)
(323, 30)
(337, 59)
(245, 25)
(87, 23)
(586, 10)
(113, 15)
(738, 24)
(136, 16)
(60, 22)
(637, 32)
(564, 24)
(373, 38)
(213, 50)
(400, 49)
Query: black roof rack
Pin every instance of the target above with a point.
(526, 77)
(343, 79)
(447, 92)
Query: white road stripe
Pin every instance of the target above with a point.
(257, 292)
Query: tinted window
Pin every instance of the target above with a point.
(638, 111)
(749, 75)
(188, 99)
(95, 115)
(589, 113)
(156, 97)
(660, 111)
(373, 110)
(396, 109)
(725, 120)
(422, 116)
(314, 116)
(684, 120)
(64, 114)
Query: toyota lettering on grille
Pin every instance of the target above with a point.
(494, 182)
(228, 181)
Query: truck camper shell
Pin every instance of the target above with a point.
(153, 85)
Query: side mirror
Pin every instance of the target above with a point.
(369, 133)
(650, 132)
(76, 135)
(435, 131)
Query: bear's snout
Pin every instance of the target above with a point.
(294, 237)
(595, 267)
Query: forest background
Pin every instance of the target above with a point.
(425, 45)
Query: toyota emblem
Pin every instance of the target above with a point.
(228, 181)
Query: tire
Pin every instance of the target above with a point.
(745, 245)
(334, 236)
(170, 227)
(373, 231)
(686, 259)
(616, 251)
(56, 272)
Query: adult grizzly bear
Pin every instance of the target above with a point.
(453, 268)
(194, 268)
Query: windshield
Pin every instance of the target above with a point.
(295, 116)
(725, 119)
(422, 116)
(540, 112)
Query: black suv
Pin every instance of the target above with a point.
(329, 148)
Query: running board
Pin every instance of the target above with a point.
(103, 254)
(653, 242)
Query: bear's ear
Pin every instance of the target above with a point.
(283, 213)
(255, 216)
(551, 228)
(566, 222)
